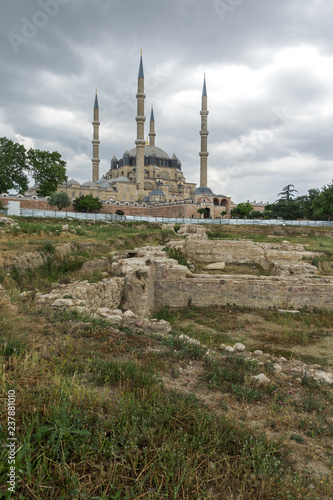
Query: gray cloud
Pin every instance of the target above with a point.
(268, 77)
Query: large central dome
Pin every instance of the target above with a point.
(151, 151)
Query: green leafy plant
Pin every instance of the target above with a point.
(87, 203)
(59, 200)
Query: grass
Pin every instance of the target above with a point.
(126, 372)
(105, 412)
(149, 443)
(276, 333)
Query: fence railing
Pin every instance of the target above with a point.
(171, 220)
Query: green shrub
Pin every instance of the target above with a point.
(178, 255)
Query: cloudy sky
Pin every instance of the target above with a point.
(269, 68)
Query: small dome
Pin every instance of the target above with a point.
(100, 181)
(204, 190)
(126, 153)
(157, 192)
(174, 157)
(114, 158)
(121, 178)
(88, 184)
(104, 185)
(72, 182)
(222, 195)
(146, 199)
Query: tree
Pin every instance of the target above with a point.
(12, 166)
(242, 210)
(59, 200)
(120, 212)
(323, 203)
(285, 209)
(256, 214)
(287, 192)
(48, 170)
(87, 203)
(202, 211)
(306, 204)
(223, 213)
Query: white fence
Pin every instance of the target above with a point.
(168, 220)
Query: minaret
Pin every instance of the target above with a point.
(140, 137)
(95, 142)
(152, 133)
(204, 134)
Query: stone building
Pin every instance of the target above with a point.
(146, 174)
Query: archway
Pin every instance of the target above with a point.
(207, 213)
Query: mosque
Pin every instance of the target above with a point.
(146, 175)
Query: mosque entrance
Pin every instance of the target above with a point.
(207, 213)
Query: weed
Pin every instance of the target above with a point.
(297, 438)
(48, 247)
(185, 349)
(178, 255)
(112, 372)
(12, 347)
(246, 393)
(312, 403)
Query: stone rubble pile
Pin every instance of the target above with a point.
(8, 221)
(286, 368)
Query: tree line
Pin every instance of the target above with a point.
(317, 204)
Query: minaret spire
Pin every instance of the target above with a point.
(152, 133)
(95, 142)
(204, 134)
(96, 101)
(140, 136)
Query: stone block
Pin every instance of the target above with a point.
(261, 378)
